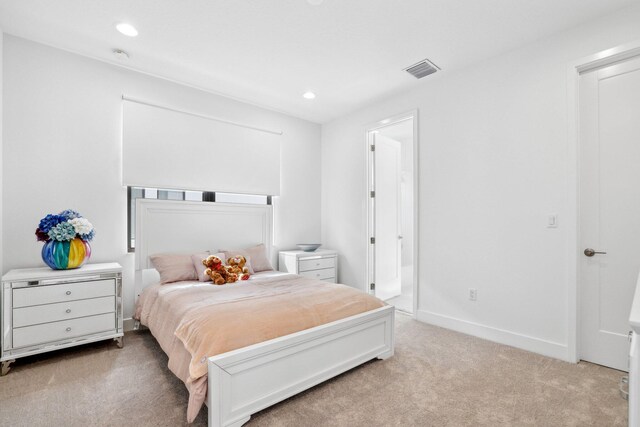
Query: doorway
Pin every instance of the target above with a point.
(392, 194)
(609, 209)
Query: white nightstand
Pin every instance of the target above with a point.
(45, 309)
(321, 264)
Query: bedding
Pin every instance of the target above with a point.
(173, 267)
(193, 320)
(256, 256)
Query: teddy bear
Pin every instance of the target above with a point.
(237, 265)
(217, 271)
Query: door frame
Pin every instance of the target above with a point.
(370, 249)
(575, 68)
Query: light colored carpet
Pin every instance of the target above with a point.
(436, 378)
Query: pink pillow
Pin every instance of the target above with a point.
(200, 268)
(173, 267)
(256, 258)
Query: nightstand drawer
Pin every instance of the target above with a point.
(37, 295)
(325, 273)
(38, 334)
(316, 264)
(63, 310)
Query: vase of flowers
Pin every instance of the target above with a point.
(66, 238)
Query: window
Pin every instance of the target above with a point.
(134, 193)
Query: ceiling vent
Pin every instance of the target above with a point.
(422, 69)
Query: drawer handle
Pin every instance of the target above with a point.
(69, 329)
(68, 292)
(68, 310)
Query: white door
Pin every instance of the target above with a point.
(609, 210)
(387, 217)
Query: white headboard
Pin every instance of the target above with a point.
(164, 226)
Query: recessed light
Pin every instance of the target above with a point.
(309, 95)
(127, 29)
(120, 54)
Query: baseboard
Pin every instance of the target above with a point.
(501, 336)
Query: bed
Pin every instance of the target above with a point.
(240, 373)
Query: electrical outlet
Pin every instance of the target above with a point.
(473, 294)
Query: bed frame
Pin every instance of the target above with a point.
(245, 381)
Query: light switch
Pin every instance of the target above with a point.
(552, 221)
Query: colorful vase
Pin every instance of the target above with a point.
(65, 255)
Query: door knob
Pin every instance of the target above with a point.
(590, 252)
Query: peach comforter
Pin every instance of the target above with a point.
(194, 320)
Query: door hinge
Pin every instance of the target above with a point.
(373, 194)
(373, 147)
(373, 240)
(372, 286)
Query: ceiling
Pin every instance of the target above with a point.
(269, 52)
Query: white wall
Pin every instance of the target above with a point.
(63, 150)
(493, 158)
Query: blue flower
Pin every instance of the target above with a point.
(70, 214)
(89, 236)
(63, 232)
(50, 221)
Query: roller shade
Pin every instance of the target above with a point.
(166, 148)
